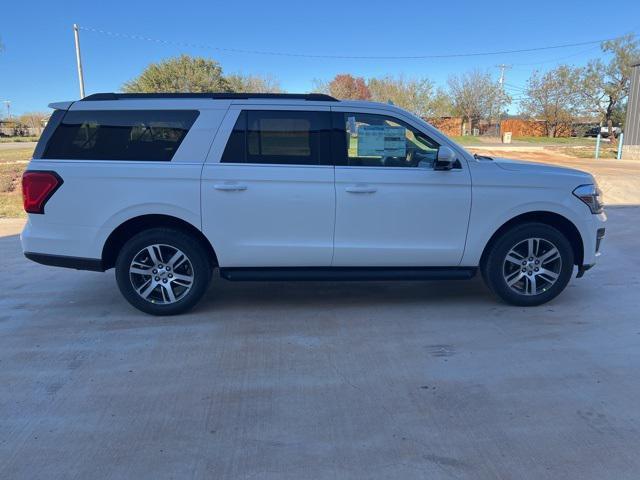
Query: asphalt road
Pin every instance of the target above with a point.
(322, 381)
(14, 145)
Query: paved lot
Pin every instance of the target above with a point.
(618, 179)
(322, 381)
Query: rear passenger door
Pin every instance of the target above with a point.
(268, 196)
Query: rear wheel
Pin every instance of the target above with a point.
(163, 271)
(529, 264)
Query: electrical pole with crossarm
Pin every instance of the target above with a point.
(502, 68)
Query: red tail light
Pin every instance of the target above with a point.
(37, 189)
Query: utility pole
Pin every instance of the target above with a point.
(7, 104)
(502, 68)
(76, 35)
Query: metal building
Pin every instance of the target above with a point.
(631, 146)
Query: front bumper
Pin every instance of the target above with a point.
(600, 233)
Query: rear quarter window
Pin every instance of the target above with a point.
(134, 135)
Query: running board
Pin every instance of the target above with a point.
(347, 273)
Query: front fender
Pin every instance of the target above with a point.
(483, 224)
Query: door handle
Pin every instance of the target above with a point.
(361, 189)
(230, 187)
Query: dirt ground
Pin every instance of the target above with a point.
(618, 179)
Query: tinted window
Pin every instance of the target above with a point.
(382, 141)
(279, 137)
(120, 135)
(53, 122)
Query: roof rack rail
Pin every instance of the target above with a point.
(317, 97)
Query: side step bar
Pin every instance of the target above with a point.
(347, 273)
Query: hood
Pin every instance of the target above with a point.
(542, 168)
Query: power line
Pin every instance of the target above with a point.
(347, 57)
(514, 87)
(576, 54)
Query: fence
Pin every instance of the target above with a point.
(451, 126)
(532, 128)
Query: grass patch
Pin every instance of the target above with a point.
(10, 190)
(589, 152)
(15, 154)
(11, 205)
(13, 162)
(466, 140)
(557, 141)
(18, 139)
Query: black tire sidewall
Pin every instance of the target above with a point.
(202, 269)
(492, 269)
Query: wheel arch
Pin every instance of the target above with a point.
(560, 222)
(119, 236)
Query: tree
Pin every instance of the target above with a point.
(553, 97)
(180, 74)
(253, 83)
(347, 87)
(605, 87)
(34, 120)
(476, 96)
(415, 95)
(441, 104)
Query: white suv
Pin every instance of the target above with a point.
(168, 187)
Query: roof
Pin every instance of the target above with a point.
(317, 97)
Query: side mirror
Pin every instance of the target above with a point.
(445, 160)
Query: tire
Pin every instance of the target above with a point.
(511, 275)
(162, 271)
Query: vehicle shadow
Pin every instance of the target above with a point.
(230, 295)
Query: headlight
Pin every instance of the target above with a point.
(592, 196)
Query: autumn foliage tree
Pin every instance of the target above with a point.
(347, 87)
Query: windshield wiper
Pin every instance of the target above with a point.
(480, 157)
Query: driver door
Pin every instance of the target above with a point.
(392, 208)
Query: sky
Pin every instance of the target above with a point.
(38, 63)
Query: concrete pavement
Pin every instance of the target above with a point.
(322, 380)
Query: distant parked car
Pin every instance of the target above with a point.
(603, 131)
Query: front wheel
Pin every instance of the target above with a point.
(529, 264)
(163, 271)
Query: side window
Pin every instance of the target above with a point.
(382, 141)
(152, 135)
(279, 137)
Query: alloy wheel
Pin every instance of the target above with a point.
(161, 274)
(532, 266)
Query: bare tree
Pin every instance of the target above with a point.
(253, 84)
(476, 96)
(553, 97)
(418, 96)
(34, 121)
(605, 86)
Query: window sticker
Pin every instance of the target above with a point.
(381, 141)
